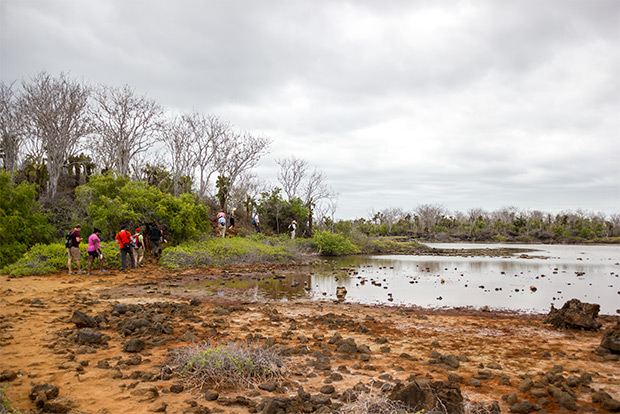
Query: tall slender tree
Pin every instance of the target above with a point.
(208, 136)
(178, 139)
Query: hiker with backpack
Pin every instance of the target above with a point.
(292, 227)
(256, 222)
(138, 245)
(72, 243)
(156, 235)
(221, 223)
(94, 251)
(123, 238)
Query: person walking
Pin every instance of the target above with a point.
(231, 219)
(221, 223)
(73, 248)
(138, 242)
(147, 239)
(94, 251)
(123, 238)
(292, 227)
(156, 236)
(256, 222)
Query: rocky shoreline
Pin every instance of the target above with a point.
(71, 344)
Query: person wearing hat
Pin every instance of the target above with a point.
(292, 227)
(94, 251)
(138, 243)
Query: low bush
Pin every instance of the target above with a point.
(231, 251)
(226, 365)
(375, 403)
(333, 244)
(50, 258)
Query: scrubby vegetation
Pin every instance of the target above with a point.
(375, 403)
(50, 258)
(110, 201)
(232, 251)
(332, 244)
(22, 224)
(509, 224)
(5, 404)
(226, 365)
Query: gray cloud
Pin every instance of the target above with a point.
(466, 104)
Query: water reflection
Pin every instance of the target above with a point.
(552, 275)
(588, 273)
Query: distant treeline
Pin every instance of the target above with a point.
(510, 224)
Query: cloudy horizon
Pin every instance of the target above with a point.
(483, 104)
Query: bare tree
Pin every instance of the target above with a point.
(126, 125)
(178, 139)
(55, 112)
(429, 216)
(208, 135)
(292, 172)
(315, 191)
(11, 134)
(391, 216)
(241, 153)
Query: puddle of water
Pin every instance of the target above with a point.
(588, 273)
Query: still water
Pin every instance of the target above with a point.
(550, 274)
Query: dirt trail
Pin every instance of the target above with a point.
(36, 333)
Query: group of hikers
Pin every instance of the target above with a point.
(132, 247)
(221, 223)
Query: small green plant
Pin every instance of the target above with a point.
(333, 244)
(230, 364)
(5, 404)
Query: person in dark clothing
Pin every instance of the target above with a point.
(156, 236)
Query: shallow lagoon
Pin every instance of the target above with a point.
(557, 273)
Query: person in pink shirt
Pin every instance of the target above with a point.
(94, 251)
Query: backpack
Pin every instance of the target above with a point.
(154, 233)
(69, 240)
(221, 220)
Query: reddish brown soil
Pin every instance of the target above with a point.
(516, 342)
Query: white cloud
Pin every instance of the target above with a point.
(466, 104)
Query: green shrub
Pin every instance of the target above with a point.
(231, 251)
(44, 259)
(111, 201)
(332, 244)
(231, 364)
(22, 224)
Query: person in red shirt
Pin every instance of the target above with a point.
(123, 238)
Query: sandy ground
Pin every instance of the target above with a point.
(36, 311)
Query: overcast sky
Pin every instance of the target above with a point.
(465, 104)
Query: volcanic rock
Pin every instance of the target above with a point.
(611, 339)
(82, 320)
(430, 396)
(575, 315)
